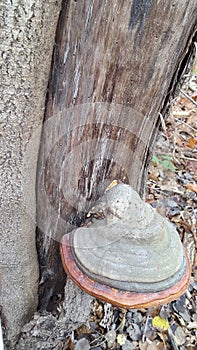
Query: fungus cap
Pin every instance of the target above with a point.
(132, 257)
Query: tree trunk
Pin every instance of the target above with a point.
(115, 66)
(28, 38)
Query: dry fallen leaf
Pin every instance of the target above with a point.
(181, 113)
(192, 187)
(192, 142)
(155, 346)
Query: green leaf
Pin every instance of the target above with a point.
(171, 166)
(155, 159)
(165, 161)
(166, 156)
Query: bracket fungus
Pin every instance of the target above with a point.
(130, 255)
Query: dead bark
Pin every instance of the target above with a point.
(28, 31)
(114, 69)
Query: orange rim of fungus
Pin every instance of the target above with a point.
(121, 298)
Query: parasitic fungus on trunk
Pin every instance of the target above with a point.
(129, 256)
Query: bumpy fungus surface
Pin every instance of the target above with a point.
(132, 257)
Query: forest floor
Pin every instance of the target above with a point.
(171, 189)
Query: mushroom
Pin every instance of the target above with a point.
(129, 256)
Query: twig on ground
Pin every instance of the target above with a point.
(145, 329)
(182, 122)
(187, 158)
(97, 339)
(188, 97)
(176, 156)
(172, 340)
(97, 345)
(163, 124)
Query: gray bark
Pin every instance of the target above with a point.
(28, 31)
(76, 306)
